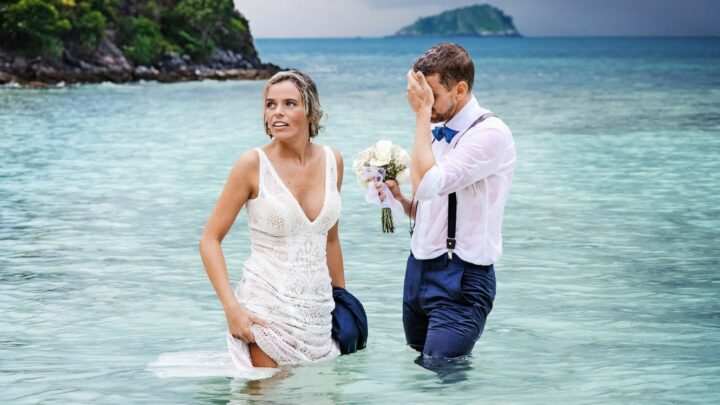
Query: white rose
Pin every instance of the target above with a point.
(357, 166)
(402, 158)
(403, 176)
(383, 152)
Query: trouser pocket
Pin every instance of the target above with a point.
(477, 286)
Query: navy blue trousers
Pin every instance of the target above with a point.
(445, 305)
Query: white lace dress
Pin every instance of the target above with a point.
(285, 280)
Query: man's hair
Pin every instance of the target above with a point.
(308, 92)
(451, 61)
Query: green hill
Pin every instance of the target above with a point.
(76, 41)
(478, 20)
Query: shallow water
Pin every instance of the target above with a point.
(607, 292)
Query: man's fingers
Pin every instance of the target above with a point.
(422, 82)
(412, 78)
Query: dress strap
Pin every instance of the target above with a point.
(261, 169)
(330, 167)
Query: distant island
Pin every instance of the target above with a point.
(54, 42)
(478, 20)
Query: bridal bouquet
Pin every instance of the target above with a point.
(380, 162)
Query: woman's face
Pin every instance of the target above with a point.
(285, 112)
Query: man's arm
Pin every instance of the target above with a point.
(420, 97)
(481, 154)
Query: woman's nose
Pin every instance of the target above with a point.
(279, 111)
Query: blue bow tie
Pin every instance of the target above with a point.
(444, 132)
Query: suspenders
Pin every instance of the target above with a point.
(452, 198)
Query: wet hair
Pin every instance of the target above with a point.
(308, 92)
(451, 61)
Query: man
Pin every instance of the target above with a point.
(467, 163)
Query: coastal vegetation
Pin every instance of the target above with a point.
(145, 30)
(122, 35)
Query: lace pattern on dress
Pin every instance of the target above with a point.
(285, 280)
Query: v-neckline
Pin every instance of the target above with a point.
(285, 187)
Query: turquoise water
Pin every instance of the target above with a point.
(607, 292)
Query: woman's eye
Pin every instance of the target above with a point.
(270, 104)
(291, 103)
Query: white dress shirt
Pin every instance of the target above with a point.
(478, 164)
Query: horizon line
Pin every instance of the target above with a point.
(499, 37)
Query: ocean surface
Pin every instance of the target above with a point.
(608, 291)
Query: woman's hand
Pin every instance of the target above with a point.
(240, 322)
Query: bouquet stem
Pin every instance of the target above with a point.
(387, 221)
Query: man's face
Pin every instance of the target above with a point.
(446, 102)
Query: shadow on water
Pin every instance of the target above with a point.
(449, 371)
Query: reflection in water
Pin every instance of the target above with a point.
(449, 371)
(257, 388)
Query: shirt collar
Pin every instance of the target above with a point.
(465, 117)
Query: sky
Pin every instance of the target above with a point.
(376, 18)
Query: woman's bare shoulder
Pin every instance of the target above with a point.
(247, 163)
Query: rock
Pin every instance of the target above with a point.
(221, 57)
(117, 74)
(145, 73)
(48, 74)
(19, 64)
(5, 57)
(174, 61)
(85, 66)
(109, 64)
(109, 55)
(34, 84)
(70, 59)
(7, 78)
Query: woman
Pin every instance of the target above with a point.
(281, 310)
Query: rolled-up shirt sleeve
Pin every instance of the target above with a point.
(479, 155)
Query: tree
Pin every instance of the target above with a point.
(141, 40)
(208, 20)
(33, 27)
(90, 28)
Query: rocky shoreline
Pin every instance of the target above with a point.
(109, 64)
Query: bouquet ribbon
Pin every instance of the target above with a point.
(377, 174)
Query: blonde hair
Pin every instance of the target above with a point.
(308, 92)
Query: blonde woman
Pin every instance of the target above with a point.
(280, 312)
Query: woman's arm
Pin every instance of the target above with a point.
(241, 185)
(334, 251)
